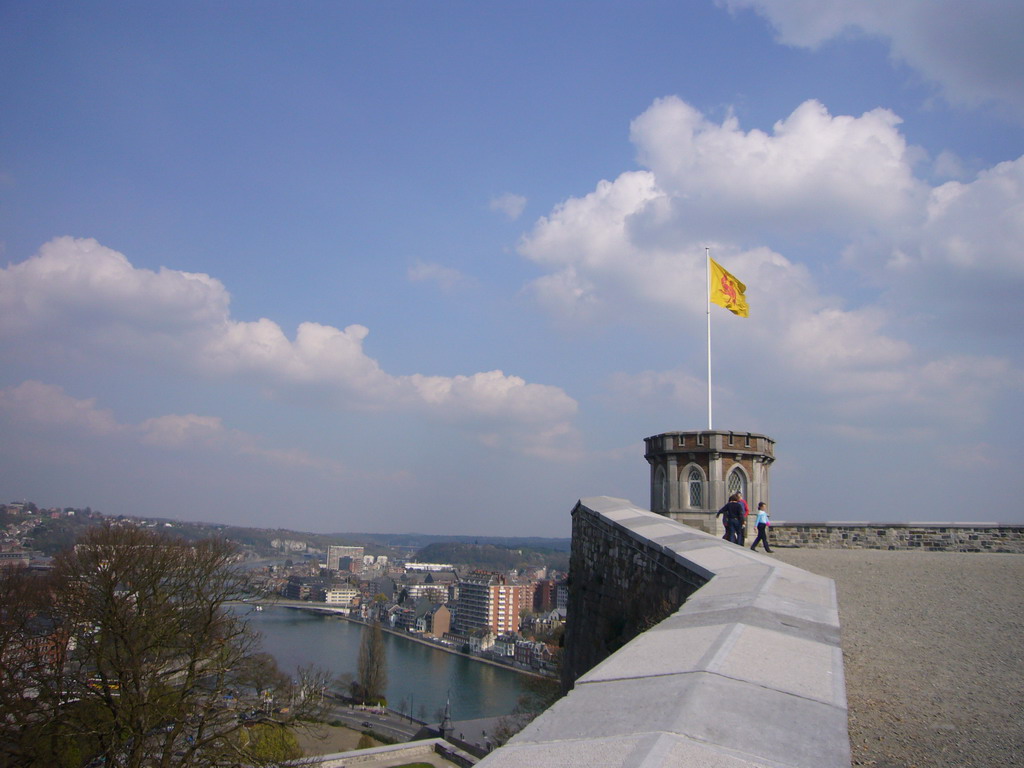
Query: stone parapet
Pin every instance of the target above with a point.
(747, 672)
(933, 537)
(391, 755)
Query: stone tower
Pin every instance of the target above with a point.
(694, 473)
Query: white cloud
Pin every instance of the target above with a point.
(974, 457)
(78, 298)
(491, 395)
(715, 185)
(509, 205)
(970, 49)
(587, 242)
(34, 406)
(961, 266)
(47, 406)
(83, 292)
(947, 165)
(814, 171)
(634, 248)
(979, 225)
(447, 279)
(657, 387)
(174, 431)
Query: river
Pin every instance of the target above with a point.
(418, 675)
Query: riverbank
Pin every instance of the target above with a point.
(933, 645)
(420, 681)
(328, 611)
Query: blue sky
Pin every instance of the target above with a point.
(438, 267)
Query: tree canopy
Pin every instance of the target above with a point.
(491, 556)
(131, 653)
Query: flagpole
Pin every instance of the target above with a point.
(707, 294)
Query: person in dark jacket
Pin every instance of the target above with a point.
(746, 514)
(732, 516)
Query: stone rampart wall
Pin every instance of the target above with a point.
(747, 671)
(621, 585)
(935, 537)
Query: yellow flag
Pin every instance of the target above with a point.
(727, 291)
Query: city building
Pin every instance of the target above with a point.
(15, 559)
(342, 558)
(437, 586)
(435, 622)
(436, 593)
(488, 601)
(533, 654)
(544, 596)
(562, 595)
(429, 566)
(400, 617)
(340, 594)
(303, 588)
(481, 640)
(505, 645)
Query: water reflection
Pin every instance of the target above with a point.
(419, 675)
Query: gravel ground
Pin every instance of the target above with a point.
(933, 644)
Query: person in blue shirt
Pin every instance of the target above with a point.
(762, 527)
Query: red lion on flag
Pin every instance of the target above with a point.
(729, 289)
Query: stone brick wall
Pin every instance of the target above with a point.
(619, 586)
(933, 537)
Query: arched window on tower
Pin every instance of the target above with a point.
(737, 481)
(695, 483)
(660, 495)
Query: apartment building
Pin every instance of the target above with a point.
(340, 594)
(489, 601)
(341, 558)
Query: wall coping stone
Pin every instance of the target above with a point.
(748, 672)
(408, 751)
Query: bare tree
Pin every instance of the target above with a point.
(372, 672)
(538, 694)
(158, 669)
(33, 650)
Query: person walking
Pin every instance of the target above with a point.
(762, 527)
(732, 516)
(743, 524)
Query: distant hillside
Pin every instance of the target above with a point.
(420, 540)
(59, 531)
(492, 557)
